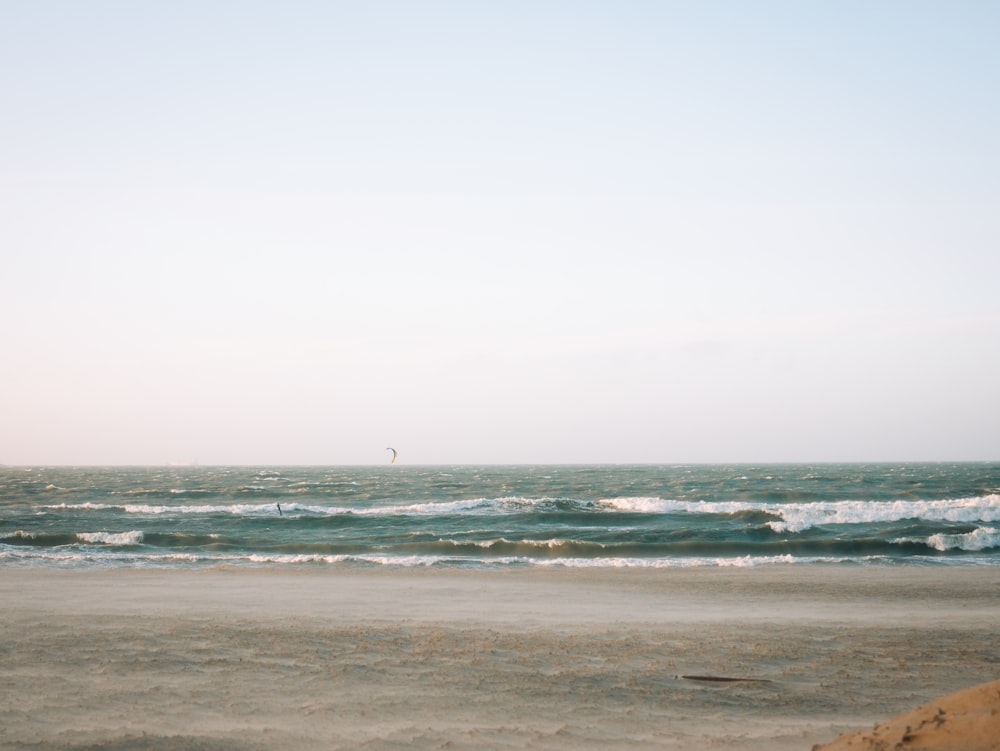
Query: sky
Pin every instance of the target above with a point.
(299, 232)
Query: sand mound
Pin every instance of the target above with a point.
(965, 721)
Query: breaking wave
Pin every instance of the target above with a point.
(780, 517)
(982, 538)
(602, 516)
(111, 538)
(798, 517)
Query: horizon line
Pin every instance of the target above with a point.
(664, 463)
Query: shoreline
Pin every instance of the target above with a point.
(219, 659)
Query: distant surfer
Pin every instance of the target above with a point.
(394, 455)
(279, 509)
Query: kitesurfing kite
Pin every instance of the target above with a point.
(394, 455)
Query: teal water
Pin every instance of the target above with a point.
(496, 516)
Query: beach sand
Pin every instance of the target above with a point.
(214, 660)
(967, 720)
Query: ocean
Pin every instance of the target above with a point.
(500, 516)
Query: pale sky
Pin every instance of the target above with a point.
(299, 232)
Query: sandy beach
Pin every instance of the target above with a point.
(543, 659)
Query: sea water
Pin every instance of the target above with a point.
(500, 516)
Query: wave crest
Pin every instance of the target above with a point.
(981, 538)
(134, 537)
(781, 517)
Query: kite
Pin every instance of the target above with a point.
(394, 455)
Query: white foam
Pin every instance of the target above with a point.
(111, 538)
(34, 556)
(667, 506)
(402, 560)
(798, 517)
(982, 538)
(117, 558)
(693, 562)
(433, 508)
(789, 517)
(291, 558)
(20, 534)
(384, 560)
(81, 506)
(237, 509)
(553, 543)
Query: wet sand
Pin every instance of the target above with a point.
(543, 659)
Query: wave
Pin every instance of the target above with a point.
(149, 509)
(31, 557)
(131, 538)
(74, 559)
(556, 549)
(60, 539)
(982, 538)
(782, 518)
(40, 539)
(121, 558)
(798, 517)
(111, 538)
(433, 508)
(497, 550)
(961, 510)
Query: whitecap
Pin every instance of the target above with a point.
(799, 517)
(981, 538)
(134, 537)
